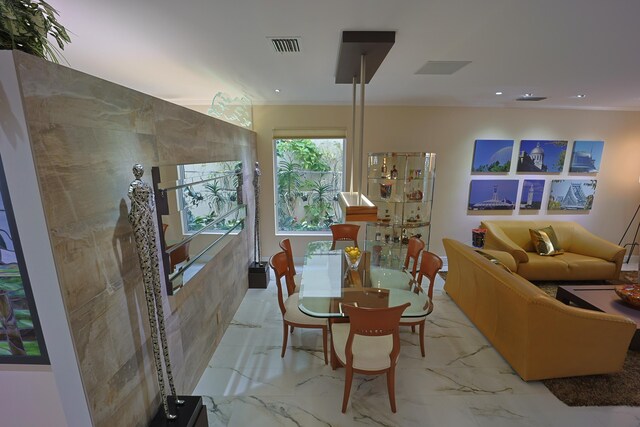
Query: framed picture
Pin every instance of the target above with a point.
(531, 195)
(541, 156)
(493, 194)
(586, 156)
(492, 156)
(572, 194)
(21, 338)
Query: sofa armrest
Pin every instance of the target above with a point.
(584, 242)
(498, 240)
(566, 340)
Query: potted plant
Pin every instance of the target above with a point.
(25, 25)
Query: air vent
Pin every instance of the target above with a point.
(531, 98)
(286, 44)
(442, 67)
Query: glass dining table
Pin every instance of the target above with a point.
(328, 283)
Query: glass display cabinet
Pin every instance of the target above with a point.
(401, 185)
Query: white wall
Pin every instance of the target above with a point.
(450, 133)
(35, 395)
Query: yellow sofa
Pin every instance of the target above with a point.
(586, 257)
(537, 335)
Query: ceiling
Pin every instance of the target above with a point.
(187, 51)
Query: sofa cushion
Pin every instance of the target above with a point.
(544, 267)
(583, 267)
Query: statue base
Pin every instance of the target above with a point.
(192, 414)
(258, 275)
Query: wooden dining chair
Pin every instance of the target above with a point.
(369, 344)
(291, 314)
(285, 245)
(429, 267)
(414, 248)
(344, 232)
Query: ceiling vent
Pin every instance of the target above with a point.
(285, 44)
(442, 67)
(531, 98)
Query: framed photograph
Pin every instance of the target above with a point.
(541, 156)
(492, 156)
(572, 194)
(586, 156)
(531, 195)
(21, 339)
(493, 194)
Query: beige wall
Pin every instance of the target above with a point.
(85, 134)
(450, 133)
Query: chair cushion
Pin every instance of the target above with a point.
(369, 353)
(294, 315)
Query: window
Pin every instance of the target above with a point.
(309, 176)
(214, 195)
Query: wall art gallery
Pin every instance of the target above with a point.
(534, 157)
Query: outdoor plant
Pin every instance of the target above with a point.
(309, 176)
(319, 209)
(26, 24)
(289, 182)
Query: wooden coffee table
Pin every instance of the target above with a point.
(601, 298)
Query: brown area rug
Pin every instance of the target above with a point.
(619, 389)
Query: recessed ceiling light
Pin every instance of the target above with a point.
(277, 90)
(528, 95)
(581, 96)
(498, 93)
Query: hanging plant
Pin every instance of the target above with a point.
(25, 25)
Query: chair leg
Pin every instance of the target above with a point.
(413, 329)
(292, 329)
(285, 337)
(391, 387)
(421, 332)
(348, 378)
(324, 344)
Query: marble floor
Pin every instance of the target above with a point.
(462, 381)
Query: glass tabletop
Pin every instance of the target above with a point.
(328, 283)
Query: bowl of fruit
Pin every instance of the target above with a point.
(629, 294)
(353, 256)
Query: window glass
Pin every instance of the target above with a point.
(308, 178)
(204, 202)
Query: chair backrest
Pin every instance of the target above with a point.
(429, 267)
(285, 245)
(280, 266)
(374, 322)
(344, 232)
(413, 253)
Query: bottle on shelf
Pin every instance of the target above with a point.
(378, 234)
(383, 171)
(404, 237)
(394, 172)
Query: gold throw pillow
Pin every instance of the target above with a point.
(545, 241)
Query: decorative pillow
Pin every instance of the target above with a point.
(545, 241)
(494, 260)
